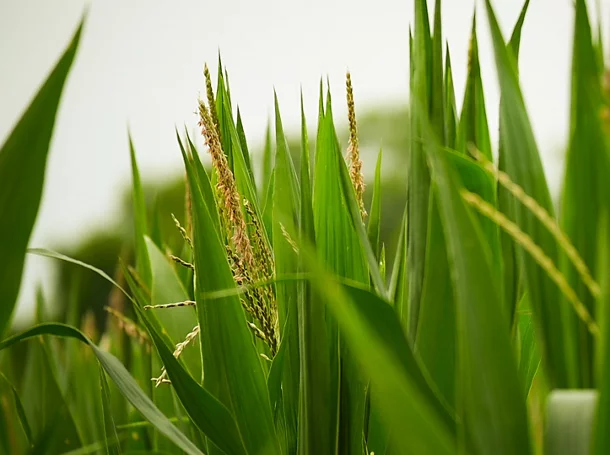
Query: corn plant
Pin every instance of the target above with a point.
(278, 326)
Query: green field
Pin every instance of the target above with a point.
(268, 316)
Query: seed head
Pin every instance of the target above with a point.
(353, 152)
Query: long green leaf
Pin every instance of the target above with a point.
(374, 225)
(23, 158)
(525, 168)
(20, 411)
(140, 223)
(286, 202)
(373, 333)
(451, 115)
(529, 355)
(585, 186)
(110, 433)
(494, 411)
(316, 434)
(341, 249)
(419, 175)
(473, 127)
(511, 273)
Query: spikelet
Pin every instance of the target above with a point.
(129, 327)
(264, 257)
(185, 231)
(353, 151)
(162, 379)
(170, 305)
(240, 250)
(230, 199)
(210, 96)
(536, 252)
(182, 262)
(543, 216)
(289, 239)
(264, 271)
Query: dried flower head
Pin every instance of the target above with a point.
(353, 151)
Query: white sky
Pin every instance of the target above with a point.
(140, 63)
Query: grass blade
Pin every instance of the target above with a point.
(525, 168)
(286, 203)
(23, 158)
(494, 411)
(110, 433)
(585, 186)
(473, 127)
(373, 333)
(374, 226)
(316, 434)
(139, 209)
(419, 175)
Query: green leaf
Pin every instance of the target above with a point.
(511, 272)
(495, 415)
(340, 249)
(23, 158)
(267, 165)
(529, 355)
(374, 226)
(473, 127)
(316, 433)
(437, 92)
(110, 432)
(203, 180)
(243, 173)
(419, 175)
(139, 210)
(525, 168)
(225, 117)
(515, 39)
(286, 203)
(118, 374)
(53, 426)
(585, 185)
(451, 115)
(436, 331)
(22, 417)
(399, 281)
(241, 134)
(373, 334)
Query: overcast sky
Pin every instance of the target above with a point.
(140, 63)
